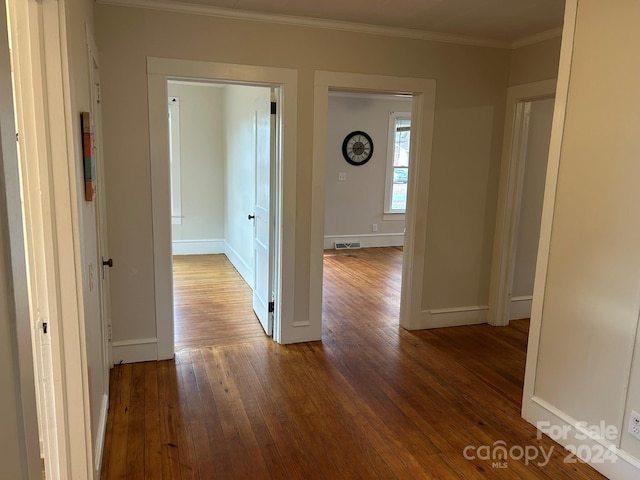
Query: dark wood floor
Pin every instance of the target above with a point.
(369, 401)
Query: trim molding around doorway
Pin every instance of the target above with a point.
(46, 108)
(423, 91)
(159, 70)
(509, 193)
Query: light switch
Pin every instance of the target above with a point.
(342, 176)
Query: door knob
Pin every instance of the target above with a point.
(251, 217)
(108, 263)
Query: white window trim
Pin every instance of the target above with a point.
(174, 155)
(389, 213)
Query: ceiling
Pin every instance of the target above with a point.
(497, 20)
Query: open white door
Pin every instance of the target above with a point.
(263, 212)
(104, 262)
(101, 213)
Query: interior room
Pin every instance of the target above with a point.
(365, 207)
(213, 146)
(499, 312)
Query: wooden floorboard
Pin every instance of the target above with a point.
(369, 401)
(212, 303)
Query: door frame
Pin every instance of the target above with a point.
(509, 196)
(23, 348)
(45, 112)
(422, 120)
(159, 71)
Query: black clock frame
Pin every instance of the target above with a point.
(345, 143)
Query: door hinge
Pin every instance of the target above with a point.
(274, 108)
(45, 327)
(98, 93)
(272, 307)
(109, 333)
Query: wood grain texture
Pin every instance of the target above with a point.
(212, 303)
(369, 401)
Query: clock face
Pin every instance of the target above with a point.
(357, 148)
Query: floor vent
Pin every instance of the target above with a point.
(346, 246)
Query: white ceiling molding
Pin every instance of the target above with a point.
(176, 7)
(538, 37)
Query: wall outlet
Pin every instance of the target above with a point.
(634, 425)
(374, 227)
(342, 176)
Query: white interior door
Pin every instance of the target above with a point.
(101, 222)
(263, 213)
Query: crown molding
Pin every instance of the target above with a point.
(538, 37)
(180, 7)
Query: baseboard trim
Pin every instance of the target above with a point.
(367, 240)
(197, 247)
(240, 265)
(101, 433)
(520, 307)
(452, 317)
(136, 350)
(625, 466)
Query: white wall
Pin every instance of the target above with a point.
(354, 205)
(240, 161)
(585, 364)
(202, 169)
(536, 62)
(537, 152)
(80, 18)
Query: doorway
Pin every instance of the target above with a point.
(159, 72)
(412, 315)
(537, 119)
(221, 145)
(522, 186)
(367, 164)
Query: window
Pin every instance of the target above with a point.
(398, 162)
(174, 160)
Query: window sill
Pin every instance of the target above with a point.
(393, 216)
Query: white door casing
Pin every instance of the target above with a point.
(159, 71)
(511, 174)
(45, 107)
(423, 91)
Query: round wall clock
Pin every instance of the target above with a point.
(357, 148)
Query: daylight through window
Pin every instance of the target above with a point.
(398, 166)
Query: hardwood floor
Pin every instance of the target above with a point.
(212, 303)
(369, 401)
(369, 277)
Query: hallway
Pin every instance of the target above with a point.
(369, 401)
